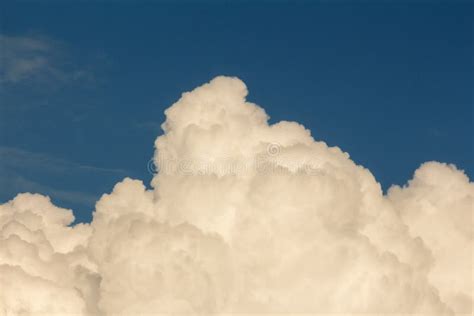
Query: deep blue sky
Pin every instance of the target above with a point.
(389, 83)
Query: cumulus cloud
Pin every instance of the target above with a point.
(249, 218)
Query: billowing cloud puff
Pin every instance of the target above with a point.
(249, 218)
(44, 266)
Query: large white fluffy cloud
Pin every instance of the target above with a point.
(249, 218)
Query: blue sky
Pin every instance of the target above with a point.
(84, 85)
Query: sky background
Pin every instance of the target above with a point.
(84, 84)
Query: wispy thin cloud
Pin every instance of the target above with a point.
(27, 185)
(20, 158)
(25, 171)
(36, 59)
(149, 126)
